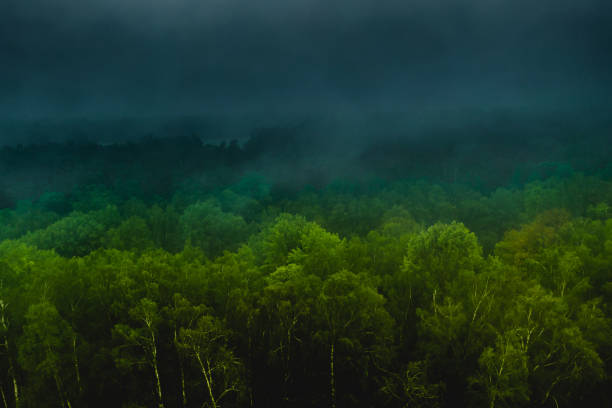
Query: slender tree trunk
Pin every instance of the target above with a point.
(3, 396)
(15, 386)
(160, 397)
(58, 382)
(182, 370)
(5, 326)
(183, 393)
(12, 376)
(65, 402)
(157, 380)
(75, 359)
(287, 361)
(158, 383)
(332, 376)
(208, 379)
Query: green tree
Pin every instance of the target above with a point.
(540, 355)
(354, 323)
(144, 337)
(437, 256)
(206, 344)
(76, 234)
(209, 228)
(165, 228)
(9, 302)
(181, 314)
(45, 348)
(289, 300)
(504, 373)
(410, 387)
(132, 234)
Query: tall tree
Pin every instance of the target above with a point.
(45, 348)
(206, 344)
(354, 324)
(144, 336)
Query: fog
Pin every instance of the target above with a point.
(271, 59)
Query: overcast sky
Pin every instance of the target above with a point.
(149, 57)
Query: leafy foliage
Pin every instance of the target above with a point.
(220, 289)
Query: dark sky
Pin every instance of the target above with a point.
(147, 57)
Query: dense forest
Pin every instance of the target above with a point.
(434, 271)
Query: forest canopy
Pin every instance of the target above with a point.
(174, 273)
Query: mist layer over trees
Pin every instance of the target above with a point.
(290, 269)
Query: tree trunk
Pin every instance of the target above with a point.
(11, 371)
(158, 383)
(65, 402)
(75, 359)
(208, 380)
(3, 396)
(15, 387)
(183, 393)
(182, 370)
(287, 360)
(13, 378)
(332, 377)
(156, 371)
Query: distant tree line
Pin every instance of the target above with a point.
(295, 157)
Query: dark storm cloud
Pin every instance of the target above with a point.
(68, 57)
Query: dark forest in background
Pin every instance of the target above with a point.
(461, 266)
